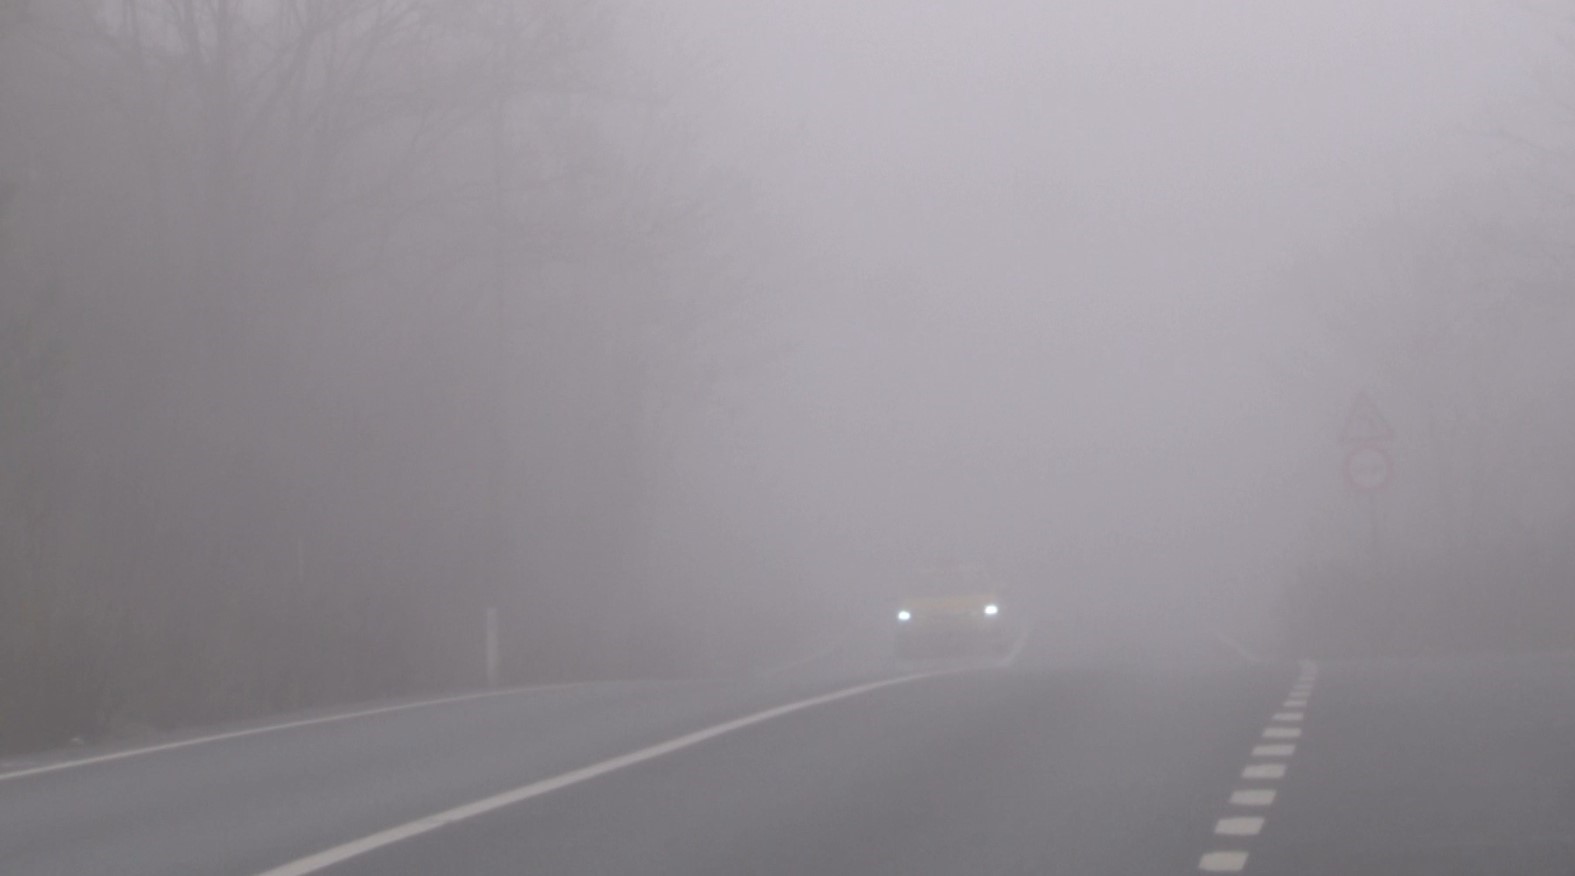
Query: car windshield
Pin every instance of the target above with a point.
(815, 437)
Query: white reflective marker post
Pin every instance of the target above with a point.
(492, 647)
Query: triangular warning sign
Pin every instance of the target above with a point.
(1365, 425)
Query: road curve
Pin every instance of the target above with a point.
(1044, 767)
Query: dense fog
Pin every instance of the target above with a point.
(683, 333)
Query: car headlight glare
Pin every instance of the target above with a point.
(903, 616)
(992, 609)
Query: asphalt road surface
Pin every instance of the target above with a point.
(1461, 766)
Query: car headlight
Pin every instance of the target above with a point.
(992, 609)
(903, 616)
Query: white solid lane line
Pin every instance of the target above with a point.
(1277, 750)
(1282, 732)
(270, 728)
(1252, 797)
(1245, 825)
(355, 848)
(1264, 771)
(1223, 862)
(1287, 717)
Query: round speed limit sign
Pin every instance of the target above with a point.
(1368, 468)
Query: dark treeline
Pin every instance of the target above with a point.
(326, 326)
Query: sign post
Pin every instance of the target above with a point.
(1367, 436)
(1368, 465)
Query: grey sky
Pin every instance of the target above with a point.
(1051, 231)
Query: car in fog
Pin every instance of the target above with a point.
(948, 625)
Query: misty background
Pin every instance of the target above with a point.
(683, 333)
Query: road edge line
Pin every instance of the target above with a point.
(269, 728)
(1240, 649)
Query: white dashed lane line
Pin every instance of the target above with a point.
(1240, 825)
(1252, 797)
(1223, 862)
(1264, 771)
(1267, 766)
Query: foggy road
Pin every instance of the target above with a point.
(1040, 767)
(665, 391)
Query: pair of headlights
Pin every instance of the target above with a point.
(904, 615)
